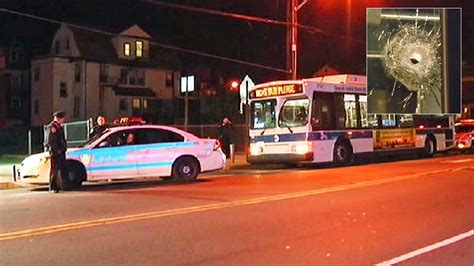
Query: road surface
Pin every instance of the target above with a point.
(412, 212)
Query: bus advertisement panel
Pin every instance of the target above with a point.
(394, 138)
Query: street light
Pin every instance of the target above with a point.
(187, 85)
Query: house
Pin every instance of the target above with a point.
(327, 70)
(14, 84)
(89, 73)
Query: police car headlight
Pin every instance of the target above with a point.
(461, 145)
(301, 148)
(256, 150)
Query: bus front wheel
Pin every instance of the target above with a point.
(342, 153)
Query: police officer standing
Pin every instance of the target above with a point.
(56, 144)
(226, 131)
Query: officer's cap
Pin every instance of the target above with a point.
(59, 114)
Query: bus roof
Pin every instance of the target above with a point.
(340, 79)
(343, 83)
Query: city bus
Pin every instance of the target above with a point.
(325, 119)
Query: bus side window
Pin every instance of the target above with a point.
(315, 119)
(340, 111)
(322, 111)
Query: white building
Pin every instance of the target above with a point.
(90, 73)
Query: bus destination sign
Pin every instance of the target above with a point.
(276, 90)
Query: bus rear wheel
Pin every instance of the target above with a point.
(185, 169)
(342, 153)
(430, 147)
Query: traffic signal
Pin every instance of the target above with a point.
(234, 85)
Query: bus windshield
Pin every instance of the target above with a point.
(262, 114)
(294, 113)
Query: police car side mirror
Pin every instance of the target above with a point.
(103, 144)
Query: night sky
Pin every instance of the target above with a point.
(249, 41)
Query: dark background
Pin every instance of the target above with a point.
(341, 44)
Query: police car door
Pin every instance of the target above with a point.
(157, 151)
(113, 158)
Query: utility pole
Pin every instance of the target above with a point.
(292, 37)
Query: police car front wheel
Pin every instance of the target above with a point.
(186, 169)
(73, 175)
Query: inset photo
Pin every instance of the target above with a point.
(414, 60)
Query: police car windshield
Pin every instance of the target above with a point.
(464, 128)
(88, 143)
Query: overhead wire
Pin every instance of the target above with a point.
(307, 28)
(171, 47)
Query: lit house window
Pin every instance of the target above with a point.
(139, 49)
(136, 103)
(126, 49)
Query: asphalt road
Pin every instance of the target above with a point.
(413, 212)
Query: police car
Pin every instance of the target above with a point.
(126, 152)
(464, 135)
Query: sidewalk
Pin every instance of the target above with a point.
(6, 177)
(240, 161)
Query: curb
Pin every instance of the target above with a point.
(9, 185)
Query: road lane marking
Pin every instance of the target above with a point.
(208, 207)
(427, 249)
(457, 161)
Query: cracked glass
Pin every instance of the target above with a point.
(405, 60)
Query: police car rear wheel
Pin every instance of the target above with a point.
(185, 169)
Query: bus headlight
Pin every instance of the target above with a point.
(255, 150)
(301, 148)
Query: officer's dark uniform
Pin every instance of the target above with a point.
(57, 146)
(226, 131)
